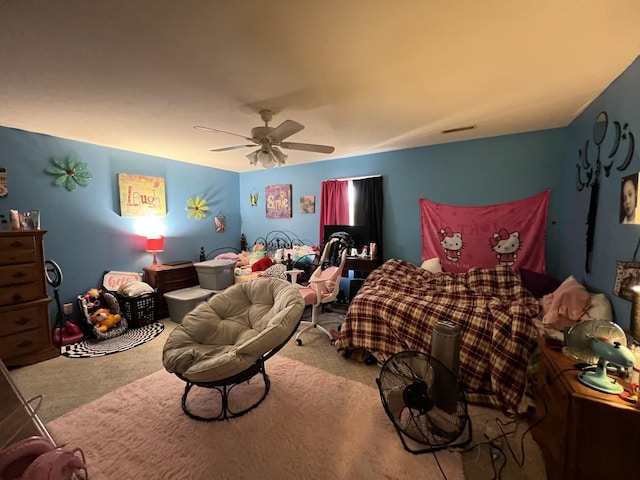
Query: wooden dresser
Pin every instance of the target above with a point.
(25, 331)
(585, 434)
(166, 278)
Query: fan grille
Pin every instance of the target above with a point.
(422, 398)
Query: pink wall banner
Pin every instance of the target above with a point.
(511, 234)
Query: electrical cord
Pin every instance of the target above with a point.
(503, 434)
(495, 454)
(495, 448)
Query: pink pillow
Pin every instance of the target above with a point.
(566, 305)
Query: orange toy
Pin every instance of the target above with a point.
(103, 319)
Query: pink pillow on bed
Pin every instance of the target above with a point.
(566, 305)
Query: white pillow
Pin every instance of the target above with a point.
(432, 265)
(600, 307)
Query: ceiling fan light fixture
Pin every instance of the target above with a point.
(268, 156)
(280, 157)
(270, 140)
(253, 157)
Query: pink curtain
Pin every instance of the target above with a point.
(334, 204)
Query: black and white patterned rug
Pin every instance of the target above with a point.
(99, 348)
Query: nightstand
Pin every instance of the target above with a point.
(166, 278)
(585, 434)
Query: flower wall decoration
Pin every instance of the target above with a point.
(197, 208)
(70, 172)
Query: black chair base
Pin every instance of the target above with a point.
(224, 388)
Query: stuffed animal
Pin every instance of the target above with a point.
(92, 297)
(103, 319)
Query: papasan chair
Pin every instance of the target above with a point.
(224, 342)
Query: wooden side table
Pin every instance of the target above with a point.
(166, 278)
(361, 266)
(585, 434)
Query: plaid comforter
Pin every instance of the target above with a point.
(398, 304)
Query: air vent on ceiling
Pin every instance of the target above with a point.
(459, 129)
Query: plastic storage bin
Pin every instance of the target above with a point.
(182, 301)
(216, 274)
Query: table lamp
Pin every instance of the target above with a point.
(155, 244)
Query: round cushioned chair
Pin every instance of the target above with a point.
(226, 340)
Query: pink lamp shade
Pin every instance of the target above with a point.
(155, 244)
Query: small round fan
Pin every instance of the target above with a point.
(579, 337)
(599, 342)
(421, 397)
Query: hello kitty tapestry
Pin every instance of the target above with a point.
(510, 234)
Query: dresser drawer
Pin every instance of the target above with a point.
(17, 294)
(17, 249)
(29, 317)
(19, 274)
(184, 280)
(24, 343)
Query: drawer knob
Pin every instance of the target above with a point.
(16, 244)
(23, 321)
(17, 298)
(19, 275)
(25, 343)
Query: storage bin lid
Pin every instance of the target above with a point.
(191, 293)
(217, 263)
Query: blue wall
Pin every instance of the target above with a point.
(478, 172)
(85, 233)
(613, 241)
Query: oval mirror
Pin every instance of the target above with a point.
(600, 128)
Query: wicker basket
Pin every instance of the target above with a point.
(140, 310)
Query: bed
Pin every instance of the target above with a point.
(268, 256)
(501, 313)
(399, 303)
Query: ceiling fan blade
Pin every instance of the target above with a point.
(308, 147)
(226, 149)
(207, 129)
(284, 130)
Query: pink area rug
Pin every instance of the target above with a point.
(312, 425)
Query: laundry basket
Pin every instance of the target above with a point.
(139, 310)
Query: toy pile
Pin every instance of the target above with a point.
(101, 314)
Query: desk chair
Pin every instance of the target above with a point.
(323, 288)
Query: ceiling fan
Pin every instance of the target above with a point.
(270, 140)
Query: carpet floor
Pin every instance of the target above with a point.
(312, 425)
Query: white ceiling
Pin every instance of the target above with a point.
(363, 75)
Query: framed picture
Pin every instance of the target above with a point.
(308, 204)
(141, 196)
(221, 223)
(627, 277)
(278, 201)
(629, 199)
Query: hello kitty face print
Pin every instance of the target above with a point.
(506, 245)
